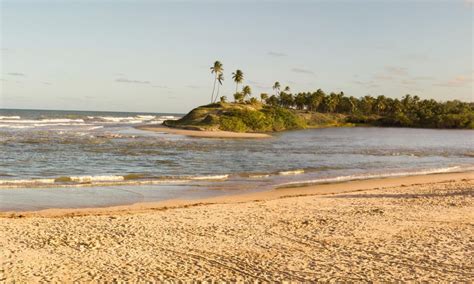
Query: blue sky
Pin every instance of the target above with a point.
(155, 55)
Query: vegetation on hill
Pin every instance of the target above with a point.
(284, 110)
(252, 117)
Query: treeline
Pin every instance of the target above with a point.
(409, 111)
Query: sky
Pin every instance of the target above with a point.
(154, 56)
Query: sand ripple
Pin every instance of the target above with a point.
(421, 233)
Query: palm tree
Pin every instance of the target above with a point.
(272, 100)
(353, 102)
(246, 91)
(220, 78)
(380, 104)
(276, 87)
(217, 69)
(238, 77)
(300, 100)
(238, 97)
(287, 89)
(263, 97)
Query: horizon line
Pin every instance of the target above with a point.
(39, 109)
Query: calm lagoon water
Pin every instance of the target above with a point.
(89, 159)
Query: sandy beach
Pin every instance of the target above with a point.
(219, 142)
(203, 134)
(407, 228)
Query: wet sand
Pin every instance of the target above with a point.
(201, 133)
(410, 228)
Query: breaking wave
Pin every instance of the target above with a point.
(216, 177)
(292, 172)
(145, 179)
(105, 180)
(374, 176)
(15, 122)
(9, 117)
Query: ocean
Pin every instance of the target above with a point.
(54, 159)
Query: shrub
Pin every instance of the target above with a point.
(282, 119)
(232, 123)
(254, 120)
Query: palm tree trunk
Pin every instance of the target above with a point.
(236, 87)
(217, 95)
(213, 88)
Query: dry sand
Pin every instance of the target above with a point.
(415, 228)
(201, 133)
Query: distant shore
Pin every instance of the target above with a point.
(201, 133)
(413, 228)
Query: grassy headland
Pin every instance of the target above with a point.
(253, 117)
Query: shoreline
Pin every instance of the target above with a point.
(274, 194)
(393, 230)
(201, 133)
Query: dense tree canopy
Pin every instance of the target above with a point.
(409, 111)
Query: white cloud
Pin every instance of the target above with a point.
(458, 81)
(16, 74)
(277, 54)
(301, 70)
(124, 80)
(394, 70)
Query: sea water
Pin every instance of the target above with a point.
(89, 159)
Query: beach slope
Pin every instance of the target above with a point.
(410, 229)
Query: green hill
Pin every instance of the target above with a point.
(253, 117)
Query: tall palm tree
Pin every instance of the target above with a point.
(217, 69)
(220, 79)
(287, 89)
(276, 87)
(238, 77)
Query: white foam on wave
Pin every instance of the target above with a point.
(259, 175)
(42, 121)
(95, 127)
(27, 181)
(10, 117)
(128, 119)
(15, 122)
(215, 177)
(168, 117)
(60, 124)
(373, 176)
(15, 126)
(96, 178)
(292, 172)
(84, 182)
(61, 120)
(146, 117)
(115, 118)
